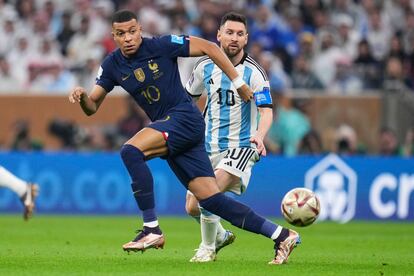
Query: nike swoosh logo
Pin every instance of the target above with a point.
(125, 77)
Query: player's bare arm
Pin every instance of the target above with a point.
(200, 47)
(89, 103)
(266, 118)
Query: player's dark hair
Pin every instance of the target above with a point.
(233, 16)
(123, 16)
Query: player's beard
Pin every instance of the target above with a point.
(232, 53)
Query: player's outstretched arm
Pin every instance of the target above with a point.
(89, 104)
(200, 47)
(266, 118)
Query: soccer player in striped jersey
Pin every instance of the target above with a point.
(234, 135)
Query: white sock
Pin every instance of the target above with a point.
(151, 224)
(8, 180)
(221, 232)
(276, 233)
(209, 224)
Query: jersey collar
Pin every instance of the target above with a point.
(242, 59)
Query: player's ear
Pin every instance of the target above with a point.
(219, 35)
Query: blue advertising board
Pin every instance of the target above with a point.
(97, 183)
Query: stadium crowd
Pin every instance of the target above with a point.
(331, 47)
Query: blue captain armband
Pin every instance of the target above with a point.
(263, 97)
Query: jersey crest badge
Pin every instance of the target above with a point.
(139, 74)
(153, 66)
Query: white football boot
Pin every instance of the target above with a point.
(204, 255)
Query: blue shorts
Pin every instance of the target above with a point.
(183, 130)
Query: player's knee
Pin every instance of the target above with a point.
(130, 154)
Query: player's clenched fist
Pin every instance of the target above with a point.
(77, 94)
(245, 93)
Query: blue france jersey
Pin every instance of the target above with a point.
(150, 76)
(230, 122)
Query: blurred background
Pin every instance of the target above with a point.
(341, 75)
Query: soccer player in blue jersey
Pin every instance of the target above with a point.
(234, 137)
(147, 69)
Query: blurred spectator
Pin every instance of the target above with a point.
(378, 35)
(6, 9)
(279, 80)
(347, 141)
(408, 146)
(264, 29)
(208, 27)
(153, 22)
(54, 17)
(306, 43)
(8, 81)
(289, 128)
(323, 64)
(388, 143)
(26, 10)
(408, 33)
(8, 33)
(348, 37)
(347, 7)
(20, 56)
(303, 77)
(367, 67)
(308, 9)
(345, 81)
(397, 49)
(21, 138)
(311, 144)
(395, 10)
(82, 43)
(255, 50)
(394, 79)
(68, 133)
(66, 32)
(54, 79)
(87, 75)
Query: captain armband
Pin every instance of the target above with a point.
(263, 98)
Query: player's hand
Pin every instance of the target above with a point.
(259, 145)
(76, 95)
(245, 93)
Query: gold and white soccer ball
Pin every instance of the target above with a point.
(300, 207)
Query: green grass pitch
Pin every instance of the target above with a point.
(91, 245)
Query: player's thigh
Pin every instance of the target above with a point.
(233, 170)
(191, 204)
(150, 141)
(226, 180)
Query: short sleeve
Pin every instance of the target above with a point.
(175, 45)
(104, 77)
(195, 85)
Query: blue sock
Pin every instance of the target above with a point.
(142, 181)
(238, 214)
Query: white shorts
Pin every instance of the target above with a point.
(238, 162)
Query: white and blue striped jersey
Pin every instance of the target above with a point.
(230, 122)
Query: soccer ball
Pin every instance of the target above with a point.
(300, 207)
